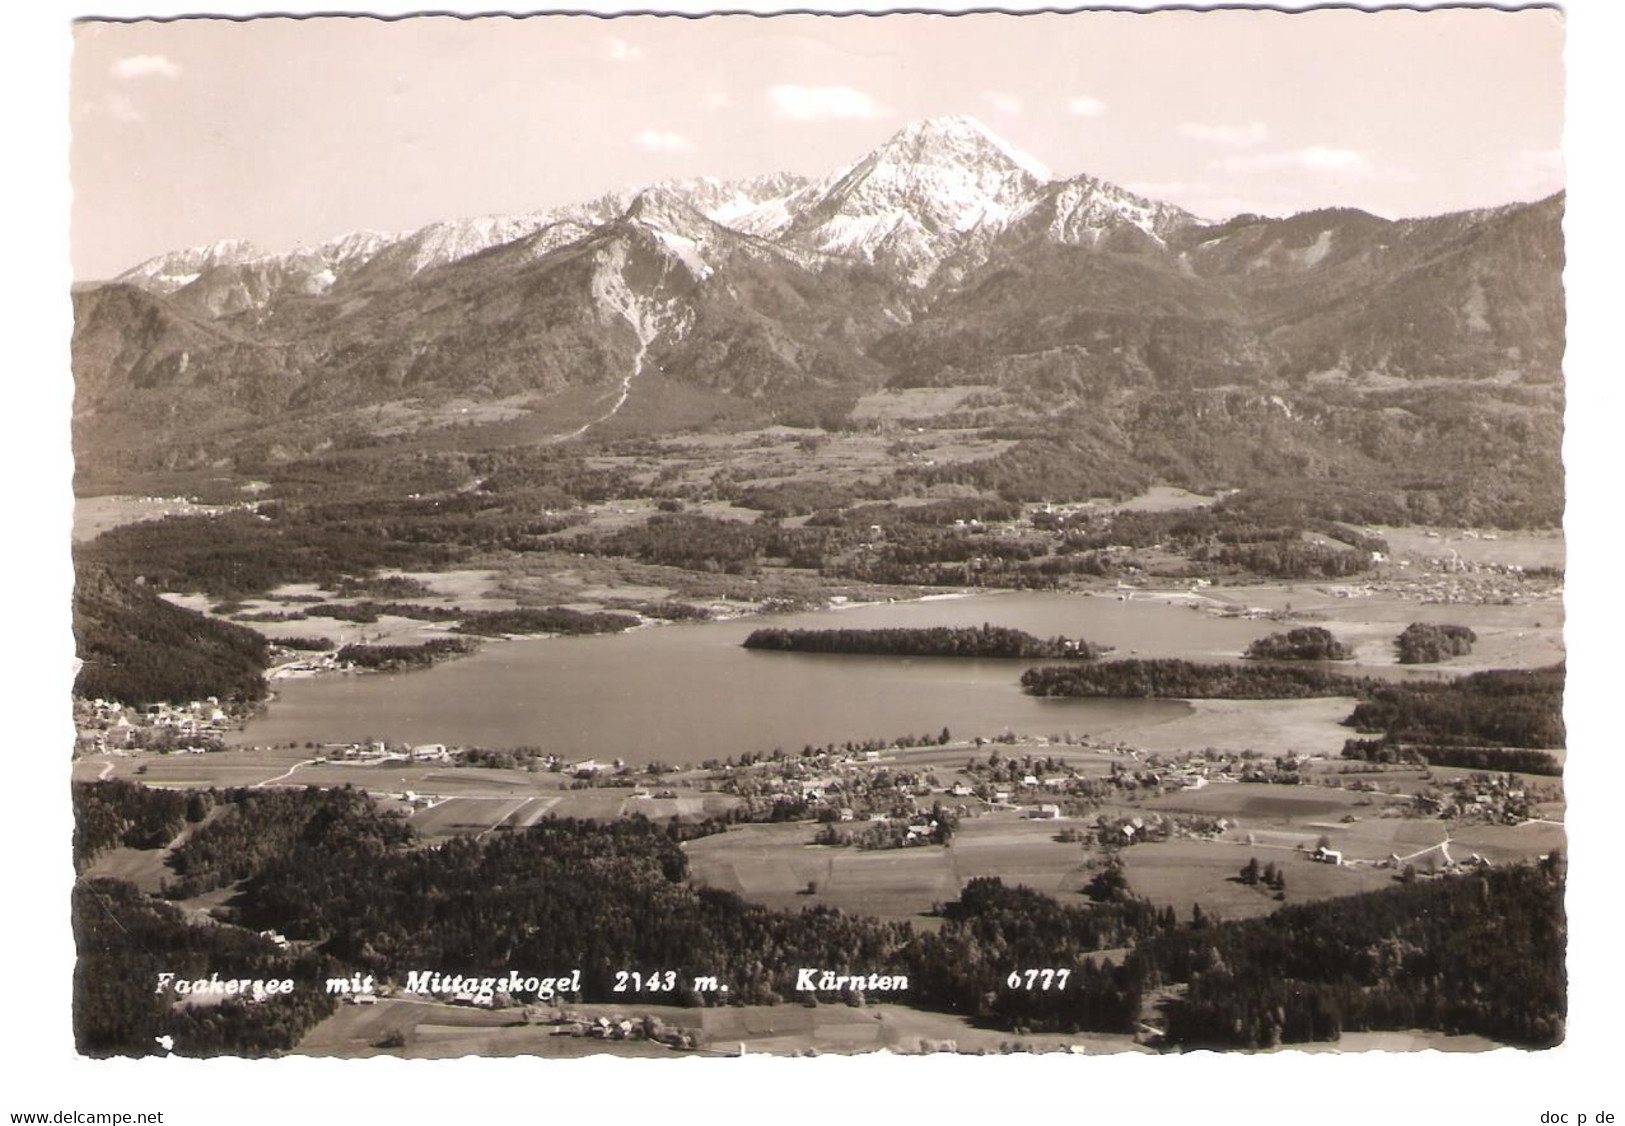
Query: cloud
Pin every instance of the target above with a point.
(623, 52)
(144, 66)
(659, 140)
(1312, 158)
(717, 99)
(821, 103)
(1237, 136)
(1004, 103)
(1085, 106)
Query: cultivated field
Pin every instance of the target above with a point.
(772, 864)
(1184, 873)
(914, 402)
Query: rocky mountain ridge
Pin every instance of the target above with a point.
(944, 256)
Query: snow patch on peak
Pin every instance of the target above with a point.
(167, 273)
(688, 251)
(961, 132)
(1084, 209)
(937, 190)
(648, 317)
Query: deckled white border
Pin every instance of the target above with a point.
(39, 1071)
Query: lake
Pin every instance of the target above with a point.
(685, 693)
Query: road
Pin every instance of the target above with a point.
(286, 773)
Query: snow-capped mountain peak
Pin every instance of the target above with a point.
(661, 206)
(960, 139)
(936, 190)
(176, 269)
(1083, 210)
(927, 204)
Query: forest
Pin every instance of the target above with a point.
(1338, 460)
(550, 619)
(1305, 643)
(1499, 708)
(138, 649)
(1474, 953)
(398, 658)
(117, 813)
(258, 825)
(126, 939)
(935, 641)
(1424, 643)
(1477, 953)
(1472, 758)
(1190, 680)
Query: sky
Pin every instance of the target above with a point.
(288, 132)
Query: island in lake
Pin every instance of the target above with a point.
(935, 641)
(1306, 643)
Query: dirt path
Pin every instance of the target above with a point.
(620, 401)
(1443, 847)
(286, 773)
(507, 813)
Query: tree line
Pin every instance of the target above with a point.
(139, 649)
(1501, 707)
(126, 939)
(934, 641)
(1181, 679)
(1479, 953)
(118, 813)
(1472, 758)
(1520, 708)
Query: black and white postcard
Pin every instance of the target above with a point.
(694, 536)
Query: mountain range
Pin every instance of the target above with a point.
(943, 257)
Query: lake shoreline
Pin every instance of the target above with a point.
(682, 695)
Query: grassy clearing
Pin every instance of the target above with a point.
(1165, 498)
(1184, 873)
(1263, 803)
(1522, 549)
(1502, 844)
(914, 402)
(94, 515)
(1270, 727)
(461, 817)
(143, 867)
(1020, 851)
(772, 864)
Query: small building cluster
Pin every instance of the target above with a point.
(107, 726)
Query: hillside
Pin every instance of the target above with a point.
(1331, 344)
(138, 649)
